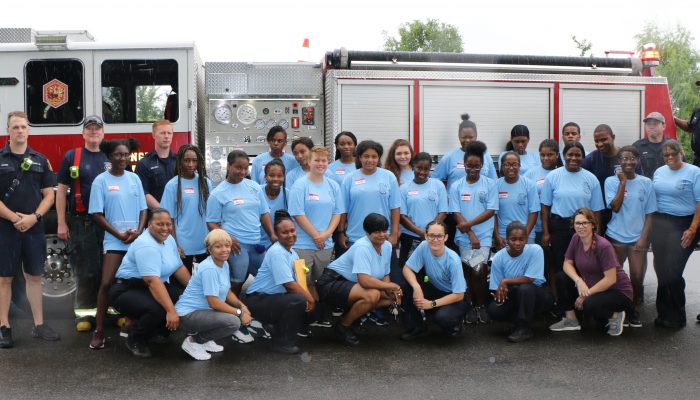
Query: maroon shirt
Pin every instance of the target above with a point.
(591, 265)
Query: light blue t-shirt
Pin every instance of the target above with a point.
(422, 203)
(528, 161)
(208, 280)
(537, 175)
(471, 200)
(293, 176)
(147, 257)
(257, 171)
(120, 199)
(190, 225)
(274, 205)
(529, 263)
(565, 192)
(238, 207)
(365, 194)
(277, 269)
(516, 202)
(451, 167)
(406, 176)
(677, 192)
(362, 258)
(444, 272)
(338, 171)
(626, 225)
(319, 203)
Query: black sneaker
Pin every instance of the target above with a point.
(521, 334)
(45, 332)
(138, 349)
(698, 318)
(414, 333)
(285, 349)
(632, 320)
(482, 315)
(346, 335)
(377, 317)
(322, 324)
(304, 333)
(6, 337)
(472, 316)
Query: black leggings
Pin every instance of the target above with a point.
(600, 306)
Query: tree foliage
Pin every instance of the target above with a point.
(584, 46)
(680, 64)
(150, 104)
(431, 35)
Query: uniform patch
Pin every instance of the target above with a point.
(466, 197)
(189, 190)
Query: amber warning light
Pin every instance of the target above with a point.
(650, 55)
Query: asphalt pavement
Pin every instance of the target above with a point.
(642, 363)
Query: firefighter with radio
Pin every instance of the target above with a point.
(158, 166)
(692, 126)
(26, 194)
(78, 169)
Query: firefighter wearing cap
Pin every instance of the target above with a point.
(158, 166)
(692, 125)
(650, 156)
(78, 169)
(26, 194)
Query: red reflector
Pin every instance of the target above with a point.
(295, 122)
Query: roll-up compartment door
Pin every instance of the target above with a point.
(589, 106)
(493, 107)
(379, 112)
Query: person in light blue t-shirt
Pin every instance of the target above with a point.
(316, 205)
(517, 200)
(423, 200)
(277, 193)
(117, 205)
(436, 286)
(517, 283)
(358, 281)
(208, 309)
(344, 164)
(301, 148)
(239, 207)
(674, 230)
(142, 291)
(519, 138)
(276, 139)
(276, 297)
(549, 159)
(632, 199)
(189, 207)
(399, 160)
(473, 202)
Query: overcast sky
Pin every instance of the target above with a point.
(273, 30)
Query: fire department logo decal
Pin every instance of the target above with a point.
(55, 93)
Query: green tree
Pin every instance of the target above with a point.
(150, 103)
(583, 45)
(431, 35)
(680, 61)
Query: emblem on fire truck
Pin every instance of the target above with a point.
(55, 93)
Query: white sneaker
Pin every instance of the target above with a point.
(257, 330)
(212, 347)
(194, 349)
(242, 336)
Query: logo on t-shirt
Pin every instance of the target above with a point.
(189, 190)
(340, 172)
(502, 195)
(360, 181)
(314, 197)
(412, 192)
(466, 197)
(238, 201)
(113, 188)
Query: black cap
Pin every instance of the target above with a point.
(93, 119)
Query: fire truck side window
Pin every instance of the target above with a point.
(135, 91)
(54, 92)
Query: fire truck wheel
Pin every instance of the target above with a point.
(59, 277)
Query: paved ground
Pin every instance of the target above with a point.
(643, 363)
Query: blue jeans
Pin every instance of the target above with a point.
(246, 262)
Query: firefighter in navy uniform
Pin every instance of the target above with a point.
(84, 238)
(26, 194)
(158, 166)
(692, 126)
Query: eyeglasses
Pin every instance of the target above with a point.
(511, 165)
(671, 154)
(120, 155)
(626, 159)
(581, 224)
(435, 237)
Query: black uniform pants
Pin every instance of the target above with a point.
(600, 306)
(447, 317)
(286, 312)
(524, 302)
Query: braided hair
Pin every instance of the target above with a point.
(201, 178)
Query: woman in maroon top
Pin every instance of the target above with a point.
(592, 281)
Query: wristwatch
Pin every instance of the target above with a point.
(238, 312)
(433, 303)
(38, 216)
